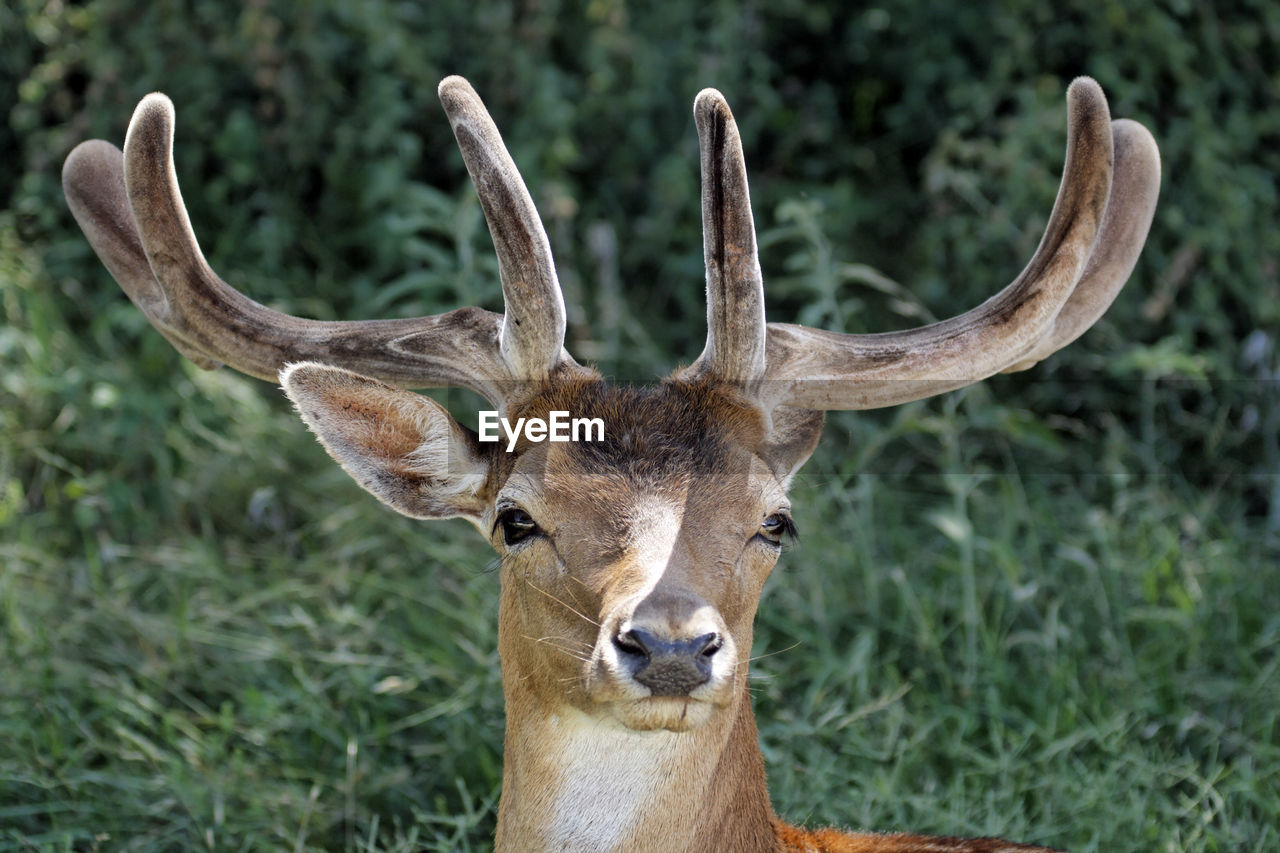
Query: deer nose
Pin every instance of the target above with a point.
(667, 666)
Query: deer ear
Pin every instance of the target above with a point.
(791, 440)
(405, 449)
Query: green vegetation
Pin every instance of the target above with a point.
(1046, 607)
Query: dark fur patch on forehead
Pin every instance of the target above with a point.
(652, 432)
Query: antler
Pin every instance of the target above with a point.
(1096, 231)
(533, 328)
(130, 208)
(735, 347)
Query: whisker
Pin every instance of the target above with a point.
(582, 643)
(789, 648)
(554, 642)
(579, 653)
(568, 607)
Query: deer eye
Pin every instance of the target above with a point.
(777, 527)
(517, 525)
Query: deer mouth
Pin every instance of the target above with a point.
(664, 713)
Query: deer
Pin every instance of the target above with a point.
(631, 567)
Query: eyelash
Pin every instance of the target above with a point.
(777, 528)
(517, 526)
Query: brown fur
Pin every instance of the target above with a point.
(795, 840)
(651, 431)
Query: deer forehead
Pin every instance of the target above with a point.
(675, 438)
(687, 423)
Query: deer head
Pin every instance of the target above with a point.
(632, 566)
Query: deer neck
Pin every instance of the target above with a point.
(574, 782)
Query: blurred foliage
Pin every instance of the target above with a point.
(309, 138)
(903, 163)
(925, 148)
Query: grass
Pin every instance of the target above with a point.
(1056, 659)
(1061, 627)
(1085, 659)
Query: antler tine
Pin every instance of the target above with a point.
(131, 209)
(532, 338)
(735, 349)
(93, 182)
(1135, 185)
(1093, 236)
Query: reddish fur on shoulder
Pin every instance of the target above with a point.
(792, 839)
